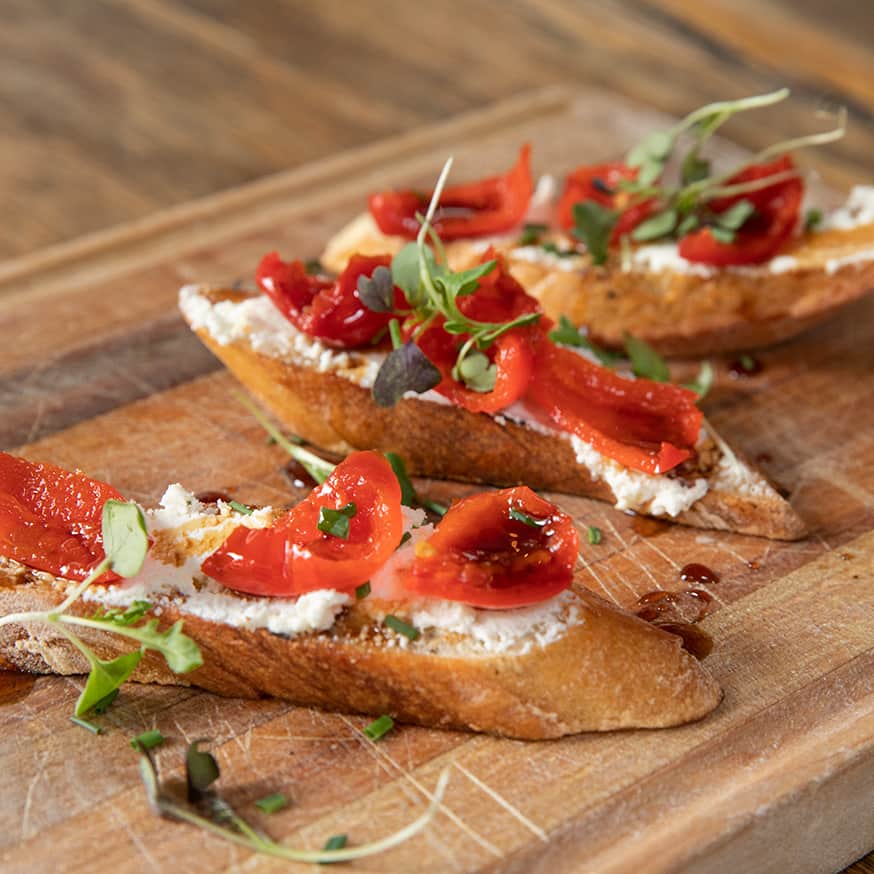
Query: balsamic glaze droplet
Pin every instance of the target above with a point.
(213, 497)
(698, 573)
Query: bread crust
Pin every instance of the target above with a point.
(609, 670)
(446, 442)
(680, 314)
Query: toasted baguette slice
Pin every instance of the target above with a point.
(586, 667)
(682, 311)
(324, 397)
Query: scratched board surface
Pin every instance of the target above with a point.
(100, 373)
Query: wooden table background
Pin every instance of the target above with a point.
(113, 109)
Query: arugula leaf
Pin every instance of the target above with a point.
(593, 224)
(525, 519)
(476, 372)
(704, 381)
(645, 361)
(336, 522)
(377, 291)
(125, 536)
(404, 369)
(201, 770)
(105, 677)
(567, 334)
(659, 225)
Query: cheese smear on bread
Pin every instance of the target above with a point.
(184, 531)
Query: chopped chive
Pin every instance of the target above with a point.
(103, 704)
(406, 536)
(748, 363)
(362, 591)
(531, 233)
(813, 219)
(84, 723)
(594, 535)
(401, 627)
(241, 508)
(379, 727)
(336, 522)
(336, 842)
(272, 803)
(525, 519)
(559, 253)
(313, 266)
(147, 740)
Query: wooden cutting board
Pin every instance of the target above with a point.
(99, 372)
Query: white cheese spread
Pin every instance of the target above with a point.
(857, 211)
(833, 265)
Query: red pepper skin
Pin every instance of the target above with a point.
(473, 209)
(765, 233)
(50, 518)
(330, 310)
(499, 298)
(588, 183)
(643, 425)
(481, 556)
(293, 556)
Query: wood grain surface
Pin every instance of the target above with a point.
(115, 108)
(778, 779)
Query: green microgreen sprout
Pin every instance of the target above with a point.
(209, 812)
(433, 290)
(316, 467)
(409, 496)
(125, 544)
(683, 205)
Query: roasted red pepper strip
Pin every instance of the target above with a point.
(50, 518)
(293, 556)
(600, 183)
(474, 209)
(328, 309)
(764, 233)
(641, 424)
(499, 298)
(483, 556)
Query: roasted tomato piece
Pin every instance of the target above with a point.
(763, 234)
(331, 310)
(294, 555)
(499, 298)
(600, 183)
(641, 424)
(496, 549)
(474, 209)
(50, 518)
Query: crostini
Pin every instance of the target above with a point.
(478, 391)
(349, 601)
(715, 262)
